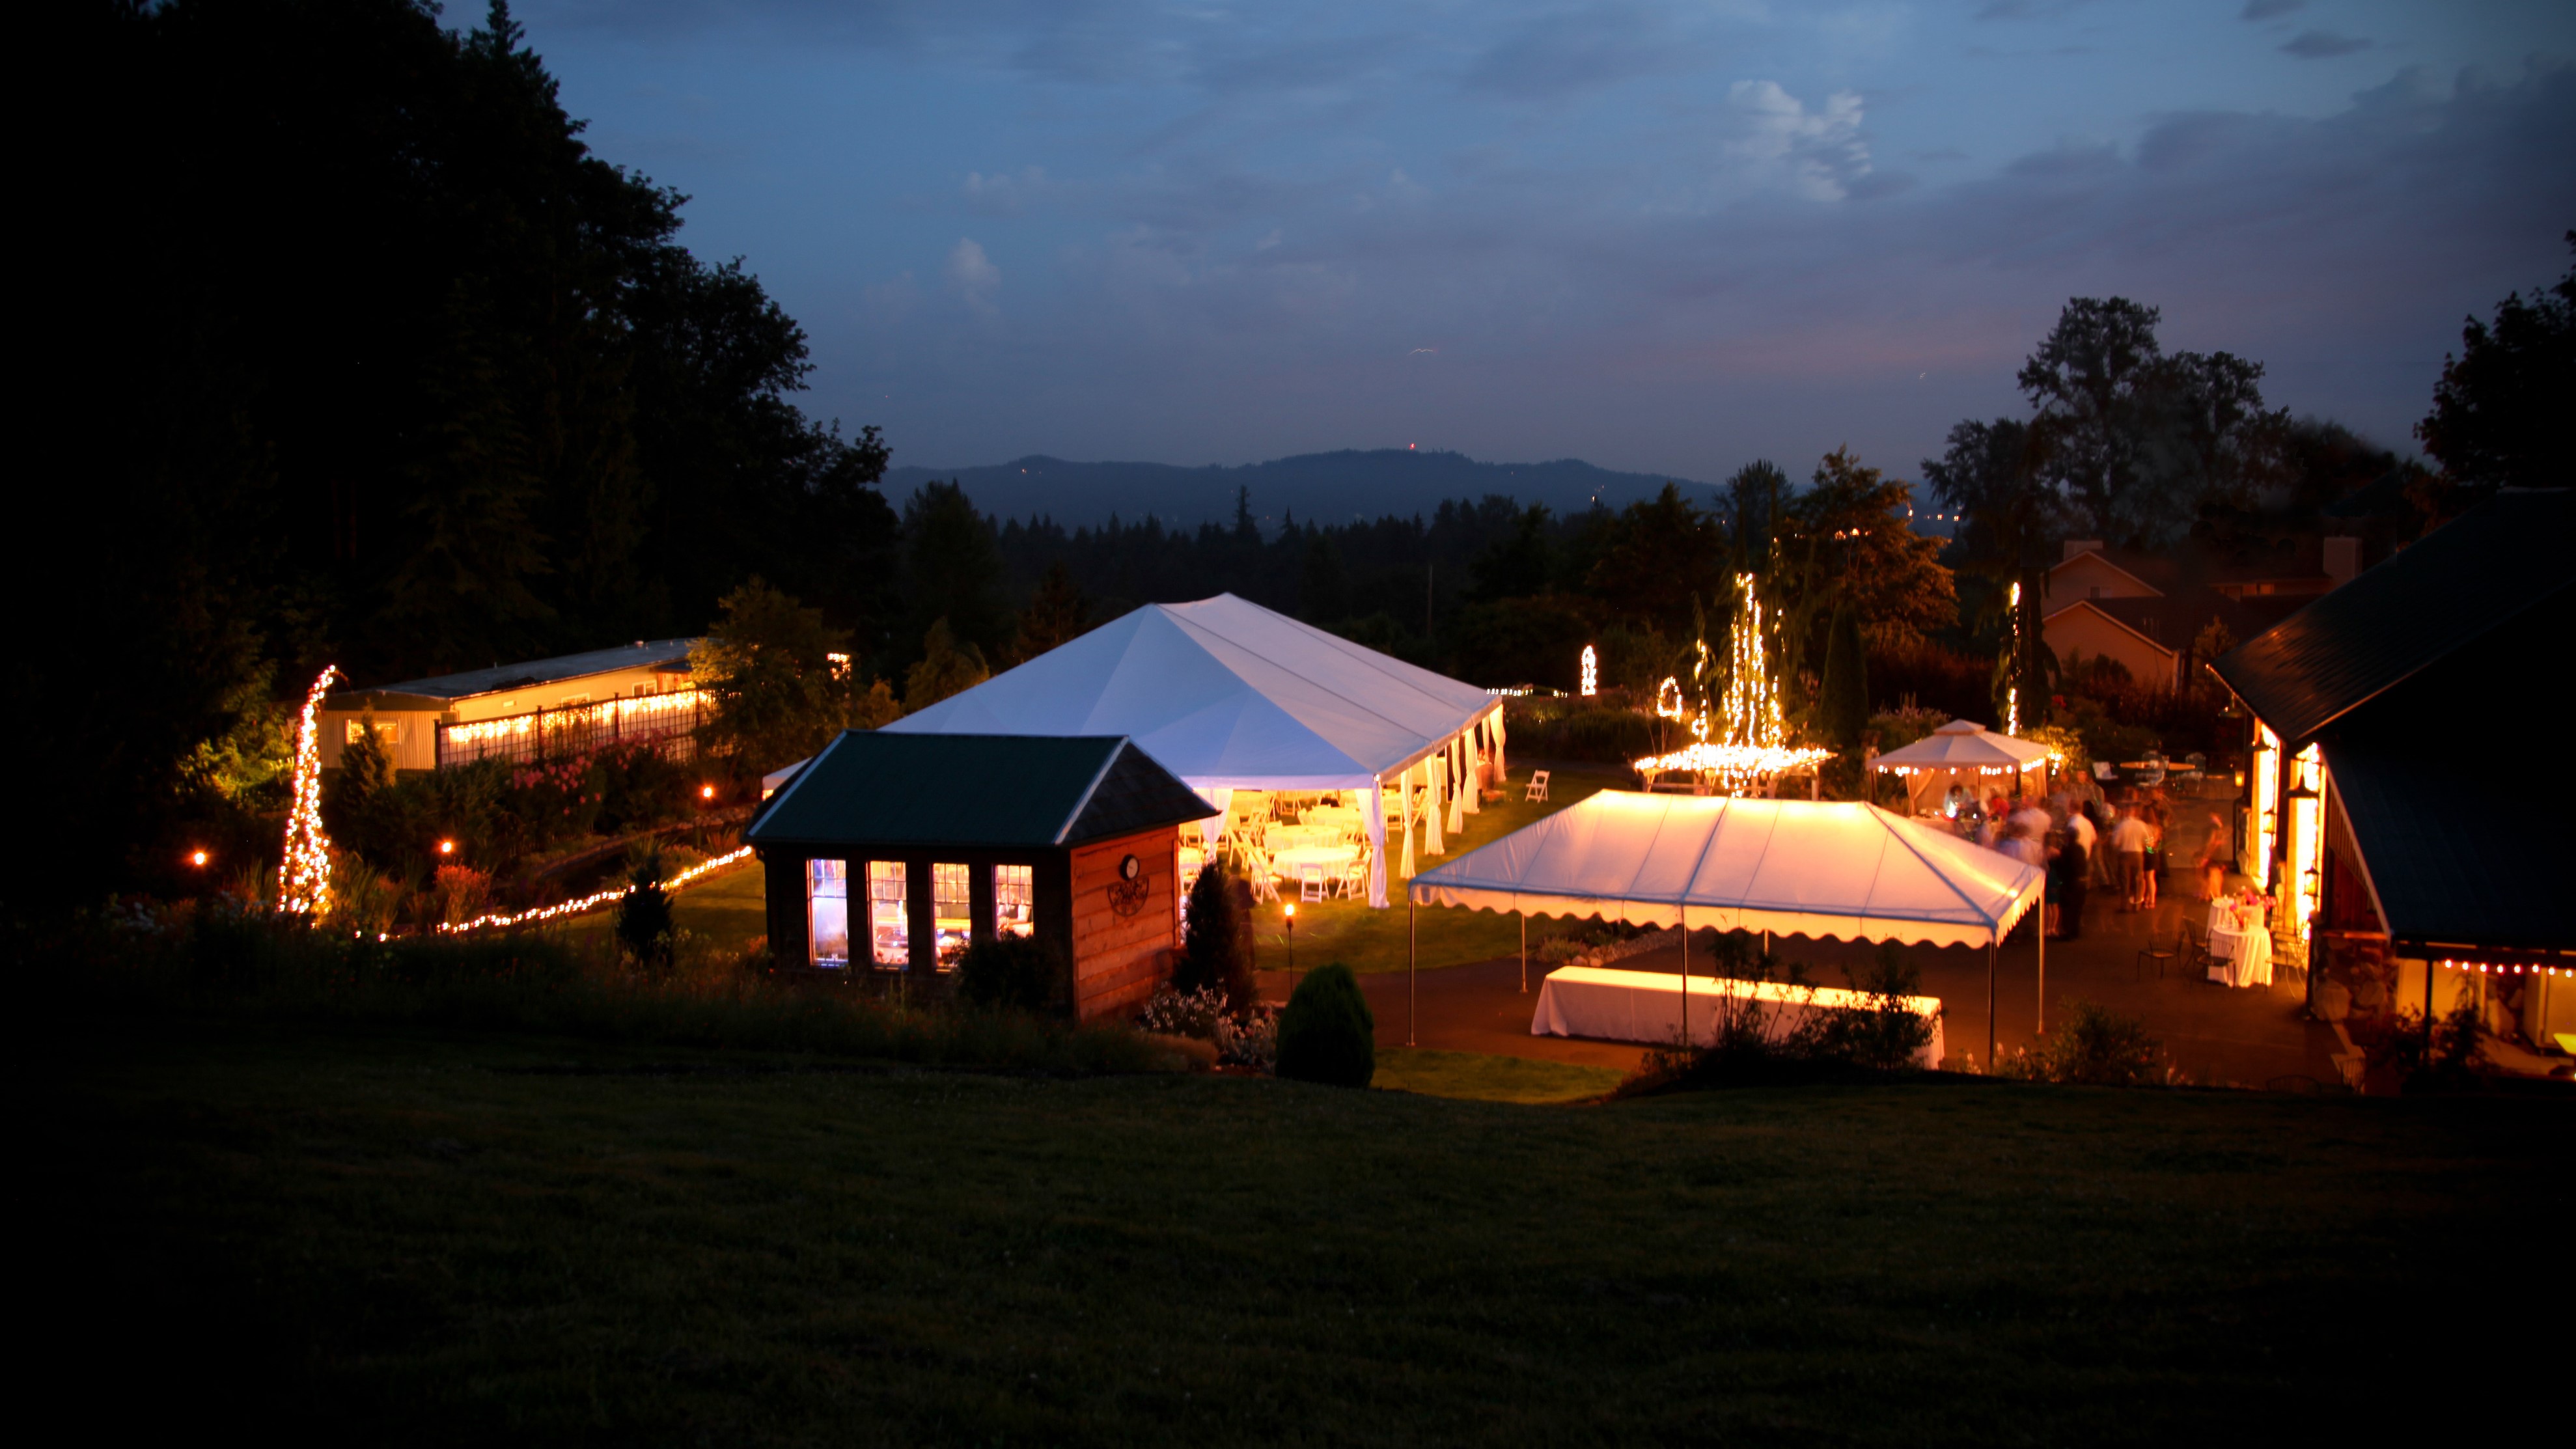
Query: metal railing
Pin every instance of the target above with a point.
(667, 722)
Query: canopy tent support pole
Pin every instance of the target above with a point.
(1990, 1001)
(2043, 972)
(1686, 1036)
(1524, 954)
(1412, 957)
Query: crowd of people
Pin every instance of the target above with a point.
(2084, 841)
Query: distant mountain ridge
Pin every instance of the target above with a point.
(1312, 487)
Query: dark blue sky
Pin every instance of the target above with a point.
(1663, 237)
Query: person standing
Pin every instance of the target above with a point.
(2215, 853)
(2079, 874)
(2129, 840)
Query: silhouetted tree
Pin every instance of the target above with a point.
(2500, 412)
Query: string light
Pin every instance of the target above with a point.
(304, 875)
(479, 738)
(1754, 747)
(2012, 692)
(590, 902)
(1591, 672)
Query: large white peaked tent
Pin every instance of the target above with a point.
(1228, 696)
(1793, 867)
(1846, 870)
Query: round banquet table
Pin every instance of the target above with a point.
(2240, 946)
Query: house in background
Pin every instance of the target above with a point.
(895, 852)
(635, 693)
(2398, 723)
(2145, 612)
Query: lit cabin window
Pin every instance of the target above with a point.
(827, 914)
(952, 911)
(1014, 899)
(889, 926)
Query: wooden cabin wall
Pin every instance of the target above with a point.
(1119, 960)
(783, 892)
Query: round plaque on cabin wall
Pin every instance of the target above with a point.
(1127, 893)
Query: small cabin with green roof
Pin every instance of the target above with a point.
(894, 852)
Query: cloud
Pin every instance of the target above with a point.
(977, 280)
(2323, 45)
(2266, 9)
(1578, 51)
(1821, 153)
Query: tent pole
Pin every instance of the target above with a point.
(1524, 953)
(1412, 951)
(1990, 1001)
(1686, 1036)
(2043, 971)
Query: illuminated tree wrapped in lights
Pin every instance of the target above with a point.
(304, 876)
(1750, 746)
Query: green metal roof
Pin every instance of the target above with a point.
(991, 791)
(2436, 596)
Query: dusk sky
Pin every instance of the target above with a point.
(1660, 237)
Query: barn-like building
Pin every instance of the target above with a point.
(894, 852)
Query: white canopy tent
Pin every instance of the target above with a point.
(1230, 696)
(1844, 870)
(1962, 751)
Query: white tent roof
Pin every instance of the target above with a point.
(1226, 695)
(1797, 867)
(1961, 745)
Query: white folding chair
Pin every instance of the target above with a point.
(1355, 878)
(1310, 882)
(1257, 866)
(1537, 786)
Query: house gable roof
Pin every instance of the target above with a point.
(2393, 621)
(872, 788)
(2095, 605)
(2104, 560)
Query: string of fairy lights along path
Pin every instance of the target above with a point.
(304, 876)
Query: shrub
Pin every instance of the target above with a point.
(1250, 1041)
(1173, 1012)
(1327, 1034)
(1885, 1036)
(644, 925)
(1016, 973)
(1216, 943)
(2093, 1046)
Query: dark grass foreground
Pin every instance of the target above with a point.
(397, 1235)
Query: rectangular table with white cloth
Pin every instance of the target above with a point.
(1646, 1006)
(2240, 945)
(1334, 861)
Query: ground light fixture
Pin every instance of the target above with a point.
(706, 792)
(447, 847)
(197, 858)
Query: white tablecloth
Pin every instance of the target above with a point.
(2240, 946)
(1335, 860)
(1646, 1006)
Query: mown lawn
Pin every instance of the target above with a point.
(413, 1237)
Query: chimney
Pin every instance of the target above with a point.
(2076, 547)
(2343, 560)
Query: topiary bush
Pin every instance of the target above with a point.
(1327, 1033)
(1016, 973)
(1216, 939)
